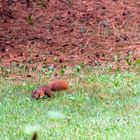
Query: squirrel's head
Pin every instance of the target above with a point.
(35, 94)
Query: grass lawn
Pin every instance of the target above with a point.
(99, 105)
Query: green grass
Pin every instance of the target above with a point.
(99, 106)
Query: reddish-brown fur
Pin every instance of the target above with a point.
(58, 85)
(43, 91)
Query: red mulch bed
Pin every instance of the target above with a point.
(46, 32)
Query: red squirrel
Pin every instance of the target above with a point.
(55, 85)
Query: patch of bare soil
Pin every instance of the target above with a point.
(44, 32)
